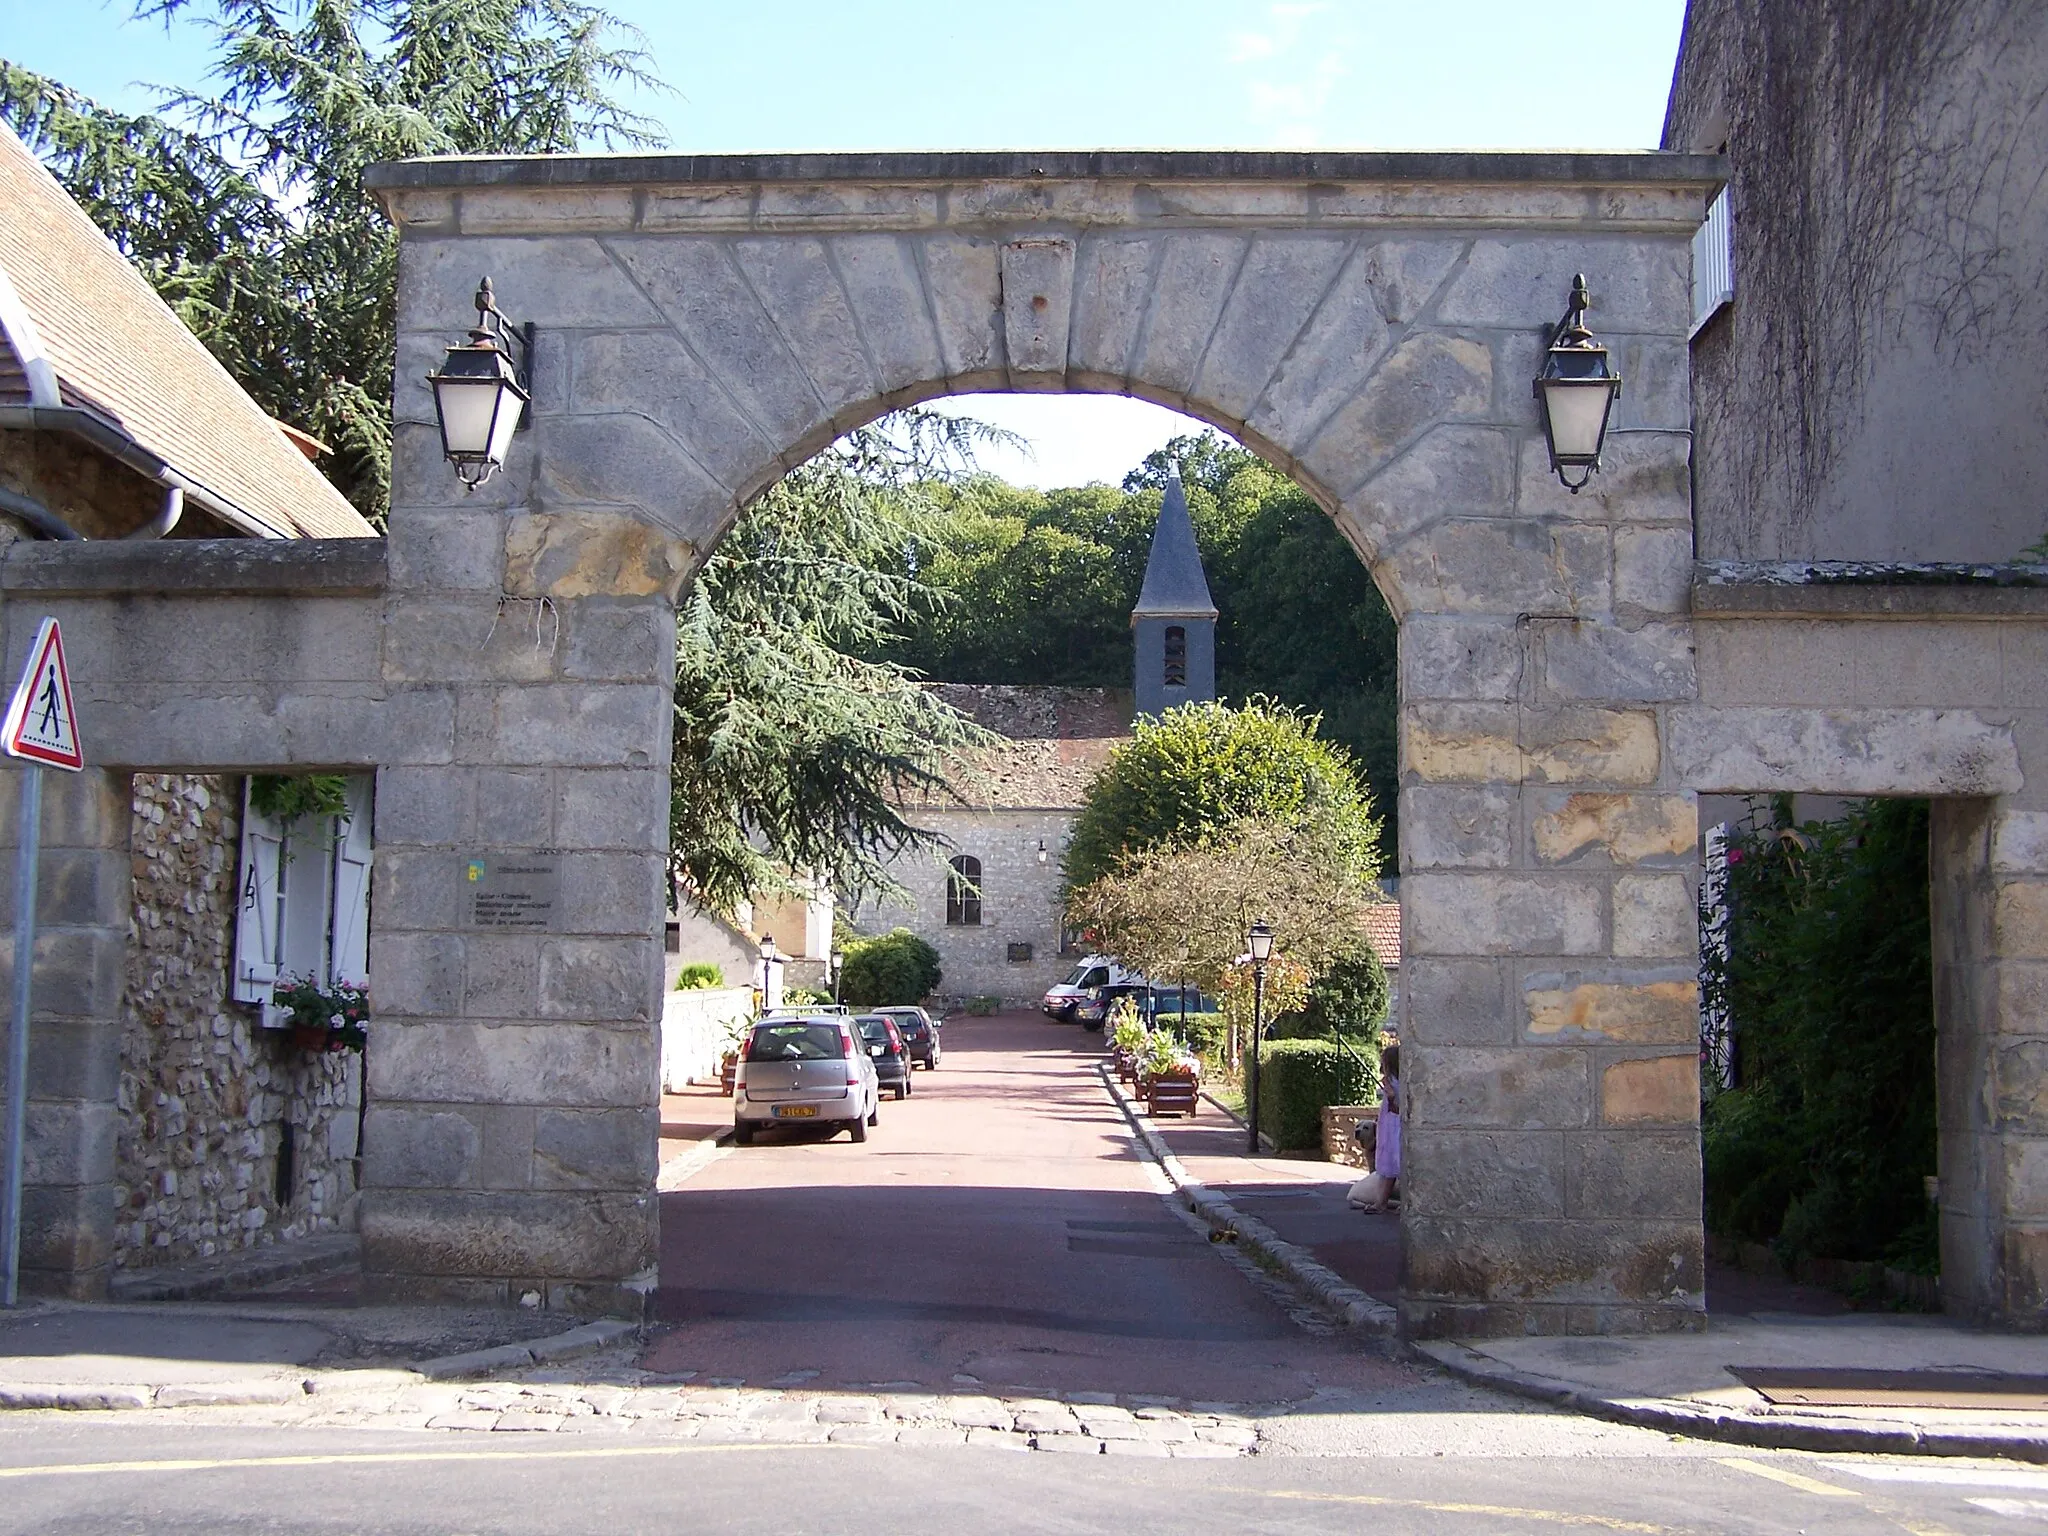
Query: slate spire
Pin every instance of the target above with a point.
(1174, 624)
(1174, 583)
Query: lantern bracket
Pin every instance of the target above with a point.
(493, 325)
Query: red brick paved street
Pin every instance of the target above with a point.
(997, 1225)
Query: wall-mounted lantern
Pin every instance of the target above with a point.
(1044, 853)
(1575, 393)
(481, 392)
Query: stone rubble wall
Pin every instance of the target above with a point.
(205, 1093)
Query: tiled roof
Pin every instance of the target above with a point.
(1058, 739)
(1383, 932)
(119, 352)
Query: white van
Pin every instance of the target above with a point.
(1063, 998)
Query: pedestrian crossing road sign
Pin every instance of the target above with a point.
(41, 724)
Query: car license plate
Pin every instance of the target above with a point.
(878, 1050)
(796, 1111)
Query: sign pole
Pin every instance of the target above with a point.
(41, 729)
(25, 863)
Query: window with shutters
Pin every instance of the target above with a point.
(963, 892)
(304, 899)
(1713, 263)
(1176, 656)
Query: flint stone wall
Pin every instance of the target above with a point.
(204, 1093)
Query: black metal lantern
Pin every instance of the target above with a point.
(1576, 392)
(481, 392)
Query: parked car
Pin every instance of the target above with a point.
(1168, 1003)
(920, 1032)
(884, 1044)
(1063, 999)
(801, 1071)
(1094, 1007)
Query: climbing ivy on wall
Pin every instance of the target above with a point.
(1821, 1144)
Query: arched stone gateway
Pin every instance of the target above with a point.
(1370, 323)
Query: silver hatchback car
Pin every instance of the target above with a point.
(800, 1071)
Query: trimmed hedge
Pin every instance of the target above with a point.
(895, 970)
(1297, 1078)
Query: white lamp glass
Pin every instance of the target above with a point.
(1578, 417)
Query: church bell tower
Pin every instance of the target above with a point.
(1174, 624)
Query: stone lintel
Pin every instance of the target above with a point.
(1703, 173)
(216, 567)
(1857, 590)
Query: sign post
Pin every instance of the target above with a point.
(41, 728)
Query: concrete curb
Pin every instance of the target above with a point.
(1785, 1432)
(1362, 1314)
(246, 1269)
(587, 1339)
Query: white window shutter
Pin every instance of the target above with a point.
(348, 947)
(1713, 262)
(259, 918)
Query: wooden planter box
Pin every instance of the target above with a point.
(1176, 1094)
(728, 1068)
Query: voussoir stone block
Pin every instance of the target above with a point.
(1038, 302)
(1589, 825)
(1651, 1090)
(1616, 1007)
(1427, 379)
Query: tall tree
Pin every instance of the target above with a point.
(793, 754)
(245, 206)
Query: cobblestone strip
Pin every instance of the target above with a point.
(1328, 1290)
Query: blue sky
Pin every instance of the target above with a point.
(970, 74)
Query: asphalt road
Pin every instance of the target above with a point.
(59, 1475)
(997, 1225)
(995, 1233)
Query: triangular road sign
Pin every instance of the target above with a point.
(41, 724)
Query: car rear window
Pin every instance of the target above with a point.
(874, 1030)
(909, 1023)
(796, 1042)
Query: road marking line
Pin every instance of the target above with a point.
(395, 1458)
(1967, 1477)
(1789, 1479)
(1436, 1507)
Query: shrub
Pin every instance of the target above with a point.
(1200, 768)
(1297, 1078)
(982, 1007)
(1349, 998)
(699, 975)
(895, 969)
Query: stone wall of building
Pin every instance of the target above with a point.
(1019, 903)
(205, 1094)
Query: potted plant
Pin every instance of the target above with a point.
(321, 1018)
(1169, 1077)
(1127, 1036)
(736, 1032)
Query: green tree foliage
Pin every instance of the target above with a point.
(245, 205)
(1046, 581)
(1183, 910)
(1203, 768)
(792, 753)
(1821, 1146)
(894, 969)
(1348, 997)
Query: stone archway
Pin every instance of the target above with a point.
(1367, 322)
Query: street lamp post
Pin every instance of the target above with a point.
(768, 959)
(838, 963)
(1262, 951)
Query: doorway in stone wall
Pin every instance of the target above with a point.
(1819, 1056)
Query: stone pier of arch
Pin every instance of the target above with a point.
(1570, 679)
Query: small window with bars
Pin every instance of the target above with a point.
(963, 892)
(1176, 673)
